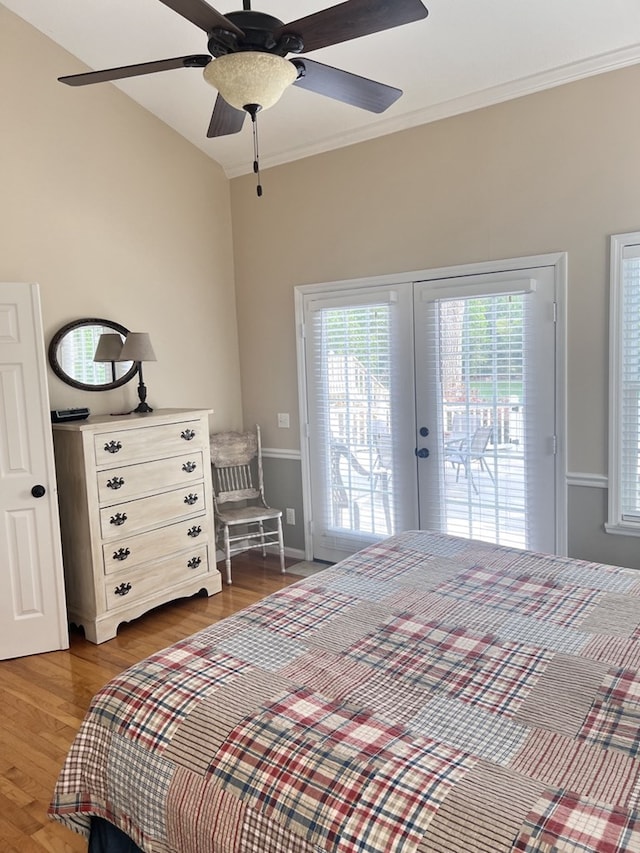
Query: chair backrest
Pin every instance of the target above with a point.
(384, 448)
(480, 439)
(464, 424)
(338, 492)
(236, 457)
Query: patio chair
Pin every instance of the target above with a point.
(382, 471)
(343, 460)
(463, 425)
(242, 516)
(352, 483)
(464, 453)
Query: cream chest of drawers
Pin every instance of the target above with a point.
(136, 514)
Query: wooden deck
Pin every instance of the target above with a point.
(486, 506)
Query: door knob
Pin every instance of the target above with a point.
(422, 453)
(424, 431)
(38, 491)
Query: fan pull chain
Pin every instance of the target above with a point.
(256, 152)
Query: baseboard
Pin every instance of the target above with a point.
(294, 553)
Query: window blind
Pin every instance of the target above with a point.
(629, 396)
(476, 359)
(355, 375)
(432, 405)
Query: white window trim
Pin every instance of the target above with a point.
(616, 524)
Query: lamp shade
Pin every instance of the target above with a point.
(250, 77)
(137, 347)
(109, 347)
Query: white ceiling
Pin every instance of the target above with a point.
(466, 54)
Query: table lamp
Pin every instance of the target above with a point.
(108, 350)
(137, 347)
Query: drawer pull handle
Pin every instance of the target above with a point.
(189, 467)
(115, 483)
(194, 562)
(113, 446)
(187, 434)
(118, 519)
(121, 554)
(194, 532)
(123, 589)
(191, 499)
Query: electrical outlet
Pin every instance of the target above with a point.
(283, 420)
(290, 515)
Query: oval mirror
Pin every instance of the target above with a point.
(71, 353)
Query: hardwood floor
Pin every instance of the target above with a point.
(44, 698)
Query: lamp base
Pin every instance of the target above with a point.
(143, 407)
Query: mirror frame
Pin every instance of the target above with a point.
(83, 386)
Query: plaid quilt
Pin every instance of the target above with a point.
(427, 694)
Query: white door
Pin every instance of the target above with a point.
(360, 417)
(432, 405)
(32, 601)
(485, 392)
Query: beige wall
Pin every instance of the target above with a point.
(555, 171)
(116, 216)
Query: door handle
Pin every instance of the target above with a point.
(422, 452)
(38, 491)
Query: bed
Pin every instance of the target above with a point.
(427, 694)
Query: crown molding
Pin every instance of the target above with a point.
(549, 79)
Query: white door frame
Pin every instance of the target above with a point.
(557, 260)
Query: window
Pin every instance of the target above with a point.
(624, 382)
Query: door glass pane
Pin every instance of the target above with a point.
(354, 416)
(361, 417)
(484, 484)
(485, 387)
(432, 405)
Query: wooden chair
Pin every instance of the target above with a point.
(243, 518)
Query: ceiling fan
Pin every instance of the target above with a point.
(248, 65)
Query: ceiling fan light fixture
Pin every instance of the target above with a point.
(250, 77)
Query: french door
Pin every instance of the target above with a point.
(432, 405)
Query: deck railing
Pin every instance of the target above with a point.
(507, 420)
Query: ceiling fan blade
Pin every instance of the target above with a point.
(345, 86)
(353, 19)
(202, 15)
(225, 119)
(194, 61)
